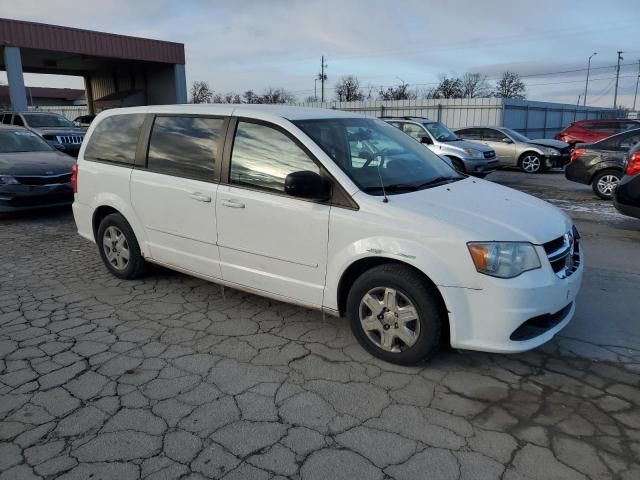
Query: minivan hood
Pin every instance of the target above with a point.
(35, 163)
(462, 144)
(485, 211)
(549, 142)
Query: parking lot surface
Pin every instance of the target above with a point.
(170, 377)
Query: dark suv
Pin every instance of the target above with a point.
(58, 131)
(591, 131)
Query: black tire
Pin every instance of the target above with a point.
(412, 287)
(600, 183)
(135, 264)
(531, 162)
(458, 164)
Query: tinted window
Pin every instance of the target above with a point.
(601, 127)
(115, 139)
(622, 141)
(492, 135)
(17, 120)
(185, 146)
(414, 131)
(263, 156)
(470, 133)
(6, 118)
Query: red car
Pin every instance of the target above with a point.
(591, 131)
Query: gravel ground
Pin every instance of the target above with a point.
(170, 377)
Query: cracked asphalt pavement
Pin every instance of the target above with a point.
(170, 377)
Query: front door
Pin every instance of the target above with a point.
(175, 195)
(270, 241)
(506, 152)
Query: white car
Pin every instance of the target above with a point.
(332, 211)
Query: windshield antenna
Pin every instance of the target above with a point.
(384, 193)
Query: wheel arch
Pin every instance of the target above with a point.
(457, 161)
(528, 151)
(606, 166)
(358, 267)
(105, 208)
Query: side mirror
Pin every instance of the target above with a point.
(506, 140)
(426, 140)
(309, 185)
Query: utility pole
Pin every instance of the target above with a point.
(587, 82)
(615, 94)
(635, 96)
(322, 77)
(578, 102)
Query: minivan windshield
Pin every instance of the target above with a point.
(375, 154)
(44, 121)
(440, 132)
(14, 141)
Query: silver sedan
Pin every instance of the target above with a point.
(515, 150)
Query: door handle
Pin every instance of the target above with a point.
(232, 204)
(200, 197)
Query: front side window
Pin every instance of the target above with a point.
(17, 120)
(40, 120)
(185, 146)
(22, 141)
(470, 133)
(262, 157)
(6, 119)
(374, 154)
(492, 135)
(115, 139)
(414, 131)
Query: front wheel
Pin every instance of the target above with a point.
(119, 247)
(605, 182)
(395, 314)
(532, 163)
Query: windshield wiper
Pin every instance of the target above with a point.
(394, 187)
(434, 182)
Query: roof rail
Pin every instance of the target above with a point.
(404, 117)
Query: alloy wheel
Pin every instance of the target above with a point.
(389, 319)
(607, 184)
(531, 164)
(116, 247)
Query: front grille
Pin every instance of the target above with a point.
(489, 154)
(46, 180)
(70, 139)
(564, 253)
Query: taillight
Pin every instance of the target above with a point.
(74, 177)
(577, 153)
(633, 167)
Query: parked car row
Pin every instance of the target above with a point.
(591, 131)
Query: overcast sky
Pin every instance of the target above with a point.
(238, 45)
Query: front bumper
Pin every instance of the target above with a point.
(480, 166)
(486, 319)
(15, 198)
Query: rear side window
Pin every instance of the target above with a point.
(472, 133)
(17, 120)
(185, 146)
(6, 119)
(115, 139)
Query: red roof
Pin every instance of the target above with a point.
(41, 36)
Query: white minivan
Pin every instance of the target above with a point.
(332, 211)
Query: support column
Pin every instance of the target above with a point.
(17, 92)
(180, 83)
(88, 92)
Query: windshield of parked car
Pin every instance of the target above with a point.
(440, 132)
(518, 137)
(373, 153)
(21, 141)
(44, 121)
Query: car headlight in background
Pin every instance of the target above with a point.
(503, 259)
(473, 153)
(552, 152)
(8, 180)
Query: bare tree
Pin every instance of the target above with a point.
(277, 95)
(250, 97)
(401, 92)
(201, 92)
(510, 86)
(311, 99)
(475, 85)
(447, 88)
(348, 89)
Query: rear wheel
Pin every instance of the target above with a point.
(119, 248)
(395, 314)
(605, 182)
(531, 162)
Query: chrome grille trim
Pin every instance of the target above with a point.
(69, 139)
(564, 259)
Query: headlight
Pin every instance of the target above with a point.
(473, 153)
(8, 180)
(551, 151)
(503, 259)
